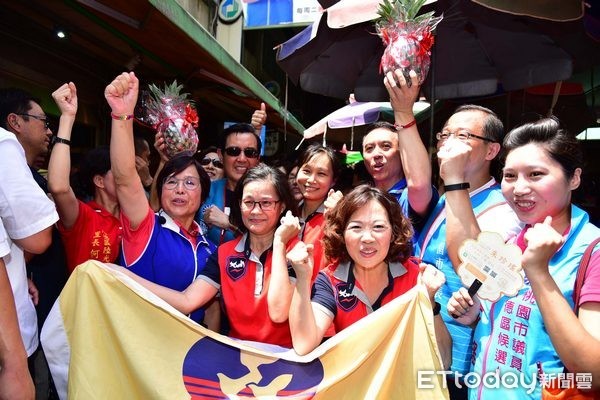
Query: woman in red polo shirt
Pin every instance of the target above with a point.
(372, 267)
(318, 170)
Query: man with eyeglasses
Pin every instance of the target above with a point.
(26, 212)
(240, 149)
(25, 118)
(467, 145)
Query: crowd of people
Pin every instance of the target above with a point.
(272, 253)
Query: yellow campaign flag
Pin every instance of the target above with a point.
(109, 338)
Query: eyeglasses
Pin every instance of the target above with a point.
(189, 182)
(264, 205)
(360, 230)
(461, 134)
(215, 162)
(44, 119)
(235, 151)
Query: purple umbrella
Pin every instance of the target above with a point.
(356, 115)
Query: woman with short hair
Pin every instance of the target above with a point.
(167, 247)
(368, 240)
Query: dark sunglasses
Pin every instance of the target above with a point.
(236, 151)
(215, 162)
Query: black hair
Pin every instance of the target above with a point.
(380, 124)
(263, 172)
(240, 128)
(140, 144)
(95, 162)
(561, 147)
(493, 128)
(199, 155)
(178, 163)
(317, 148)
(13, 100)
(281, 163)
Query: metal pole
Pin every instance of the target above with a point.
(432, 106)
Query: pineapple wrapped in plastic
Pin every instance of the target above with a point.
(172, 114)
(408, 37)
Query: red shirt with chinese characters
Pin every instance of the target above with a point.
(95, 235)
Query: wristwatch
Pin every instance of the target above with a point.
(56, 139)
(456, 186)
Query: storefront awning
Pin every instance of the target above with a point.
(158, 39)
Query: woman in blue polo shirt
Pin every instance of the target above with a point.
(166, 247)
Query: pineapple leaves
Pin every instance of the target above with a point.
(401, 10)
(170, 91)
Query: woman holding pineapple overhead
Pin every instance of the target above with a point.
(166, 247)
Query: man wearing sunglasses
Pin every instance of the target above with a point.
(240, 148)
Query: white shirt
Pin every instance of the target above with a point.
(25, 210)
(4, 243)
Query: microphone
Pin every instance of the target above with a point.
(472, 291)
(162, 220)
(474, 287)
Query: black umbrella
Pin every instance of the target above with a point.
(477, 51)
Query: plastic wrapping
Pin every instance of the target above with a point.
(408, 38)
(173, 115)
